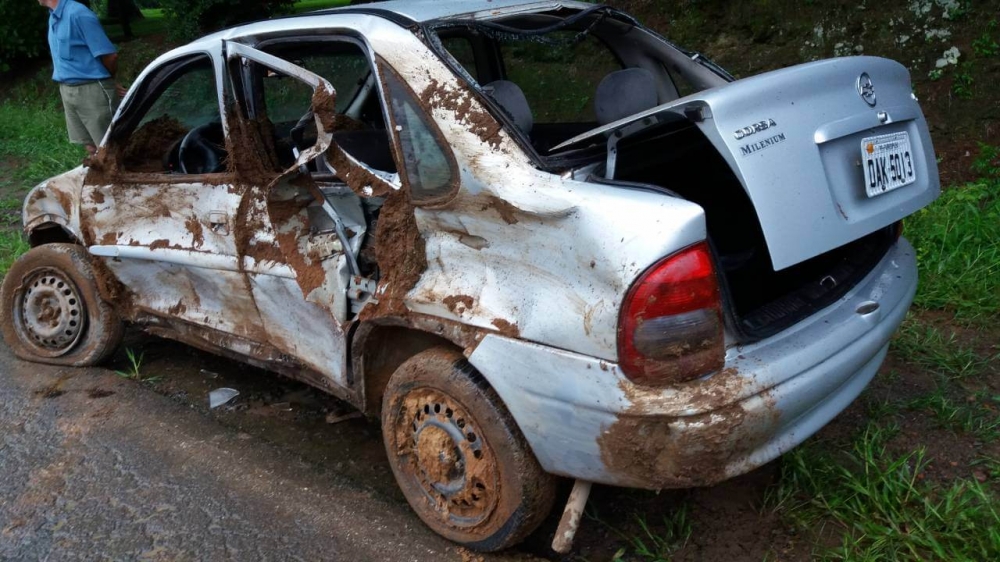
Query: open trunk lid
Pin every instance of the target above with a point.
(800, 141)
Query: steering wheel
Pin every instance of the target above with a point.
(198, 147)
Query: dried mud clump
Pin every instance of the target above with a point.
(356, 177)
(506, 328)
(112, 290)
(458, 303)
(400, 252)
(648, 453)
(253, 162)
(193, 226)
(309, 272)
(458, 99)
(324, 106)
(647, 450)
(147, 145)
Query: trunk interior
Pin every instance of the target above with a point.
(761, 301)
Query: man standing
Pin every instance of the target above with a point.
(83, 63)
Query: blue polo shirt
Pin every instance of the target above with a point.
(77, 42)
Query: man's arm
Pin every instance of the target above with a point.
(110, 62)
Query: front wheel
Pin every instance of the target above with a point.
(458, 455)
(51, 309)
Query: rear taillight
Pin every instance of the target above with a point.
(670, 328)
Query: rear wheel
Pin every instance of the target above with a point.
(458, 456)
(52, 311)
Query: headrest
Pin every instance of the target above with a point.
(509, 96)
(623, 93)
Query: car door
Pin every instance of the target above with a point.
(294, 240)
(160, 208)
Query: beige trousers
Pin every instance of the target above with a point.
(89, 108)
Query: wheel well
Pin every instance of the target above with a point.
(50, 233)
(381, 351)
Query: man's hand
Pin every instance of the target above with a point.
(122, 90)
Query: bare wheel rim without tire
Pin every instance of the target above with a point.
(49, 313)
(448, 458)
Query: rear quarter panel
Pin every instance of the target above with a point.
(518, 250)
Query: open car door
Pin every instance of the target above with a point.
(299, 257)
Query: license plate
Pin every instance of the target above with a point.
(888, 163)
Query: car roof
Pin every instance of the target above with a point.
(414, 10)
(427, 10)
(419, 11)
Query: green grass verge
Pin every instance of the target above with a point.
(33, 141)
(882, 507)
(927, 346)
(957, 239)
(975, 415)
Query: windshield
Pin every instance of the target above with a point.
(556, 75)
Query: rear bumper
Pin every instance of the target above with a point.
(584, 419)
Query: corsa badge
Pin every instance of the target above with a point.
(755, 128)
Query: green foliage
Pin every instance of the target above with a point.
(957, 239)
(883, 509)
(985, 45)
(23, 25)
(189, 18)
(962, 86)
(987, 163)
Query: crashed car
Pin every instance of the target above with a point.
(534, 239)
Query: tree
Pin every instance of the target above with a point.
(22, 31)
(189, 18)
(125, 11)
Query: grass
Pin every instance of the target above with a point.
(653, 543)
(927, 346)
(33, 134)
(882, 508)
(12, 245)
(975, 415)
(957, 239)
(134, 369)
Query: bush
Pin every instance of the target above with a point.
(189, 18)
(23, 26)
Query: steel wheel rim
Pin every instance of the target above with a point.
(49, 313)
(446, 456)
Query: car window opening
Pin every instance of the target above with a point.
(559, 74)
(181, 131)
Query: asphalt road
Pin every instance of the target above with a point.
(93, 467)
